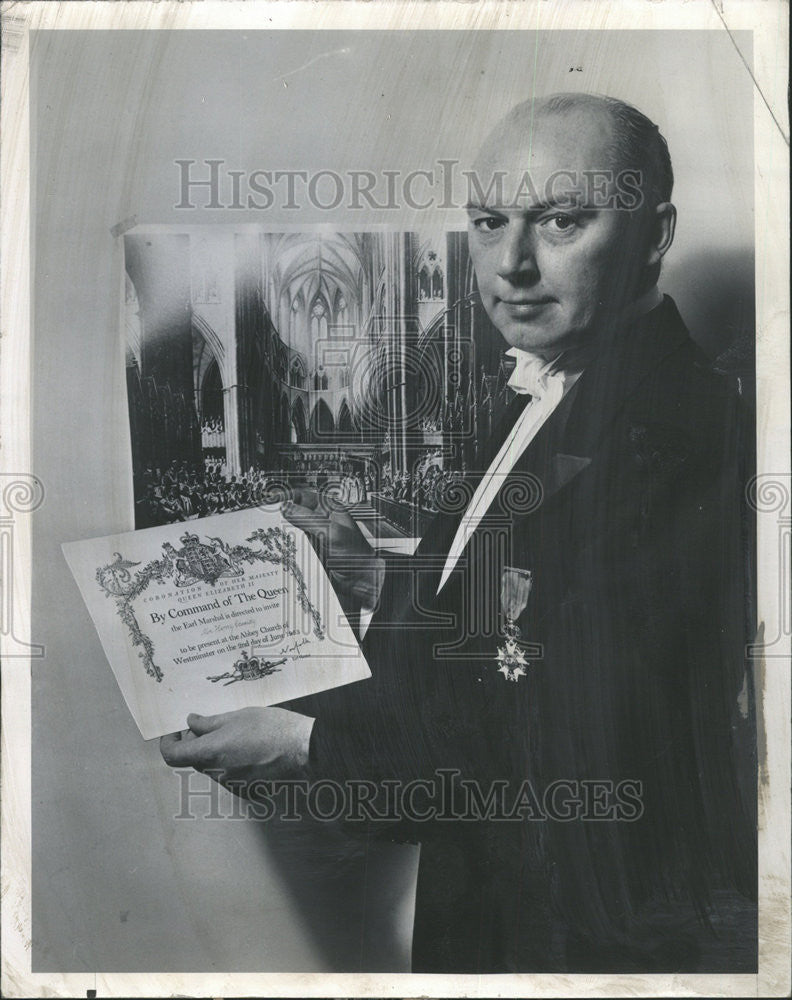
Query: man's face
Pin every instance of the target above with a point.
(554, 262)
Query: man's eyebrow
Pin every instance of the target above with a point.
(562, 204)
(475, 206)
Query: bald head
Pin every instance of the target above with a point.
(630, 144)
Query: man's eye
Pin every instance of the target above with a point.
(489, 223)
(560, 222)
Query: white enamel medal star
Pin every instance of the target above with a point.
(512, 660)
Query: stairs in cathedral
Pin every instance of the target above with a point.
(379, 532)
(362, 511)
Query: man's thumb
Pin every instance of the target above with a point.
(203, 724)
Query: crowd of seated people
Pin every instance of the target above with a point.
(213, 465)
(184, 491)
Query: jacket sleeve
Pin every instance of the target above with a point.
(412, 718)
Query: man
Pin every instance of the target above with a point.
(576, 631)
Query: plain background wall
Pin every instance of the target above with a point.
(118, 884)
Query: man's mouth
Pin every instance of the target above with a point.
(526, 306)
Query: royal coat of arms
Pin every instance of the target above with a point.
(201, 562)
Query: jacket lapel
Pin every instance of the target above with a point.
(569, 441)
(617, 373)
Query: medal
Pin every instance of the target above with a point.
(515, 590)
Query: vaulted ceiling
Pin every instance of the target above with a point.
(305, 265)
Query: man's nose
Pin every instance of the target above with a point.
(517, 259)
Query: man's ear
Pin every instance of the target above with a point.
(662, 232)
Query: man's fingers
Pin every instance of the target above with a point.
(197, 748)
(179, 751)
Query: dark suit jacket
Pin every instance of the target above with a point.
(628, 510)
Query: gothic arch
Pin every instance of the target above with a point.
(344, 421)
(298, 422)
(438, 285)
(322, 423)
(298, 372)
(424, 283)
(208, 374)
(211, 393)
(320, 318)
(212, 340)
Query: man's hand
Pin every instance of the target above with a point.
(354, 568)
(242, 747)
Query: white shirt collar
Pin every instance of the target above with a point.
(532, 373)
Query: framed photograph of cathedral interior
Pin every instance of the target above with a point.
(491, 301)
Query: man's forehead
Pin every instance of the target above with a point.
(567, 138)
(527, 155)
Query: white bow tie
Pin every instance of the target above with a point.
(535, 375)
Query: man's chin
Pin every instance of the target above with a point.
(535, 340)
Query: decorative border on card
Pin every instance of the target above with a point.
(197, 562)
